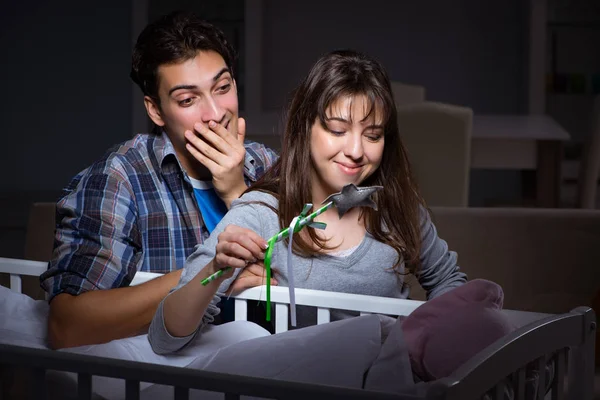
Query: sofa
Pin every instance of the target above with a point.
(546, 260)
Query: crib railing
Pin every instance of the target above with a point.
(563, 342)
(321, 300)
(15, 268)
(567, 339)
(39, 361)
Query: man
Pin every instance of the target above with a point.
(150, 200)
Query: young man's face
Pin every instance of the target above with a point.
(200, 89)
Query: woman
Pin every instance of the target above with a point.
(341, 128)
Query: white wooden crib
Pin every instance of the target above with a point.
(566, 339)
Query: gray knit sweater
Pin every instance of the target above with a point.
(367, 270)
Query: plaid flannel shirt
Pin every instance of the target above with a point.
(133, 210)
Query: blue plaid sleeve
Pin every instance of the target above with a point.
(97, 241)
(259, 158)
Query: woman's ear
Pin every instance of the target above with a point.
(153, 111)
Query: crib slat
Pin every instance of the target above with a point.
(499, 391)
(281, 318)
(132, 390)
(15, 283)
(240, 310)
(181, 393)
(84, 386)
(520, 384)
(558, 385)
(323, 316)
(541, 368)
(38, 384)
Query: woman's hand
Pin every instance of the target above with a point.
(236, 248)
(184, 309)
(253, 275)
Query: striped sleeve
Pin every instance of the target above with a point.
(259, 158)
(97, 241)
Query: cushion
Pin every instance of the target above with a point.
(459, 335)
(448, 330)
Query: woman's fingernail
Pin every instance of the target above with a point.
(212, 124)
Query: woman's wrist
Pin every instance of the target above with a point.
(210, 269)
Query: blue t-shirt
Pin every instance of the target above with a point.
(213, 209)
(211, 206)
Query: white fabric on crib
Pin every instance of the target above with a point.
(196, 354)
(23, 320)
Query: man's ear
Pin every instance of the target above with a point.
(153, 111)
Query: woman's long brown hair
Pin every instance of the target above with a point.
(397, 222)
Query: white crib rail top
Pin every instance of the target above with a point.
(279, 295)
(334, 300)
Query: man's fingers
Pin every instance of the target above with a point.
(218, 135)
(241, 130)
(207, 147)
(230, 134)
(207, 162)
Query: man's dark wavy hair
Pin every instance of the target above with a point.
(172, 39)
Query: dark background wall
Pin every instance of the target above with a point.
(67, 96)
(464, 52)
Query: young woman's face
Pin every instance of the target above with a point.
(349, 148)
